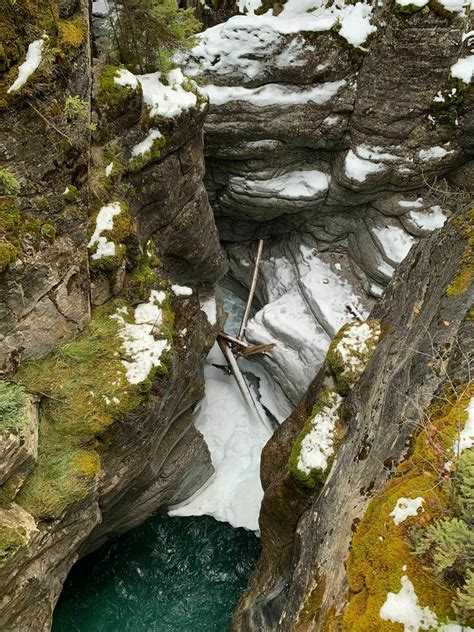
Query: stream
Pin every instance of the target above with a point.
(185, 573)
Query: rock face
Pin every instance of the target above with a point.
(323, 146)
(301, 580)
(93, 234)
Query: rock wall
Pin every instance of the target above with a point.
(301, 581)
(94, 234)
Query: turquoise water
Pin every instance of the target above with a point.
(168, 575)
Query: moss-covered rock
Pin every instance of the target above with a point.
(316, 444)
(383, 551)
(463, 280)
(350, 352)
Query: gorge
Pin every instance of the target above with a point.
(132, 201)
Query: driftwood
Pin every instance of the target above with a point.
(252, 291)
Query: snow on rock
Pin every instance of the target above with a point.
(168, 100)
(352, 349)
(240, 44)
(28, 67)
(273, 94)
(395, 242)
(418, 203)
(295, 185)
(305, 308)
(463, 69)
(181, 290)
(209, 307)
(433, 153)
(415, 3)
(429, 220)
(358, 168)
(235, 440)
(125, 78)
(317, 447)
(145, 145)
(405, 508)
(104, 221)
(140, 338)
(403, 607)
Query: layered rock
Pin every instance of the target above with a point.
(307, 573)
(100, 223)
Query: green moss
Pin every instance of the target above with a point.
(48, 231)
(112, 97)
(11, 539)
(8, 183)
(18, 232)
(328, 399)
(13, 406)
(381, 551)
(72, 33)
(408, 9)
(347, 371)
(87, 392)
(463, 280)
(70, 193)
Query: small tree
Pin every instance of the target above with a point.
(149, 32)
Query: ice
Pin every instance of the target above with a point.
(273, 94)
(31, 63)
(406, 507)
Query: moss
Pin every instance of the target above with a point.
(408, 9)
(87, 392)
(316, 476)
(463, 280)
(11, 539)
(112, 97)
(48, 231)
(347, 374)
(13, 406)
(8, 183)
(72, 33)
(70, 193)
(381, 551)
(19, 232)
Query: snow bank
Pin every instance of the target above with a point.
(273, 94)
(104, 221)
(405, 508)
(140, 339)
(317, 447)
(235, 440)
(31, 63)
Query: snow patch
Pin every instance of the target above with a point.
(273, 94)
(463, 69)
(108, 169)
(125, 78)
(466, 436)
(406, 507)
(295, 185)
(429, 220)
(168, 100)
(104, 221)
(209, 307)
(355, 347)
(396, 242)
(28, 67)
(145, 145)
(181, 290)
(317, 447)
(433, 153)
(140, 339)
(403, 607)
(358, 169)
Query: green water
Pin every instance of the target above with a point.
(169, 575)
